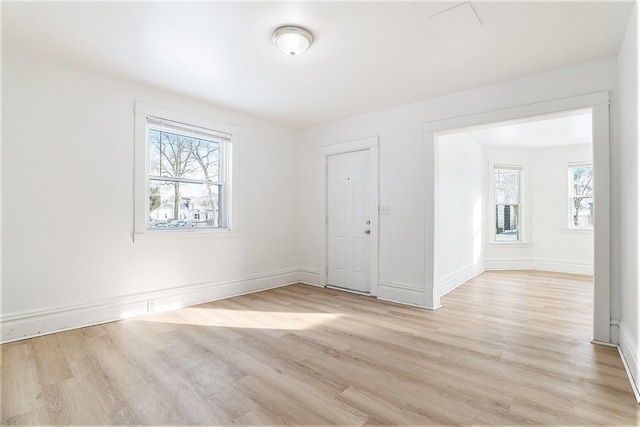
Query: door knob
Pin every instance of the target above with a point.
(367, 231)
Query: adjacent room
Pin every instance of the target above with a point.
(516, 195)
(320, 213)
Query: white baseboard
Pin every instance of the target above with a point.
(18, 326)
(630, 357)
(508, 264)
(452, 280)
(563, 266)
(401, 293)
(545, 264)
(309, 276)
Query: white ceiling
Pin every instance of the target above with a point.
(367, 56)
(561, 129)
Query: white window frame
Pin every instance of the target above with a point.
(141, 176)
(521, 214)
(570, 195)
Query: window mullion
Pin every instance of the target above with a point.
(183, 180)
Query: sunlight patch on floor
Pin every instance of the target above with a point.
(253, 319)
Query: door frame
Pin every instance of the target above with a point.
(599, 104)
(372, 145)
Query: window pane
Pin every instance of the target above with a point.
(180, 156)
(198, 205)
(507, 186)
(581, 197)
(582, 180)
(154, 153)
(507, 222)
(582, 211)
(206, 155)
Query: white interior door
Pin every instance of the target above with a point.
(348, 222)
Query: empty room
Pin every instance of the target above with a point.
(320, 213)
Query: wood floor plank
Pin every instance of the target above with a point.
(38, 416)
(382, 411)
(280, 401)
(302, 389)
(50, 360)
(507, 349)
(19, 379)
(147, 398)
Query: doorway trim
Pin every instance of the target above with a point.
(599, 104)
(372, 145)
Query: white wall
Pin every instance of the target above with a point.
(461, 186)
(549, 244)
(556, 247)
(403, 244)
(67, 142)
(626, 204)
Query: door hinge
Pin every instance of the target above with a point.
(327, 170)
(327, 268)
(327, 219)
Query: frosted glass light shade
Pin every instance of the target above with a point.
(292, 40)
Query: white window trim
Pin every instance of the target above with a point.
(506, 244)
(568, 209)
(492, 188)
(577, 230)
(141, 172)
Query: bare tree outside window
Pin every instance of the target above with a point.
(154, 199)
(185, 179)
(174, 160)
(207, 156)
(582, 213)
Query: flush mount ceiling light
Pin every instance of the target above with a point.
(292, 40)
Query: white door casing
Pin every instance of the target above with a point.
(369, 144)
(599, 104)
(348, 221)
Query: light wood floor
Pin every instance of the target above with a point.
(506, 349)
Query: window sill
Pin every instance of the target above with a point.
(172, 236)
(576, 230)
(509, 244)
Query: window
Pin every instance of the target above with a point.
(581, 195)
(507, 195)
(184, 184)
(187, 180)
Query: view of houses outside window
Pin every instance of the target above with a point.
(186, 177)
(581, 195)
(507, 183)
